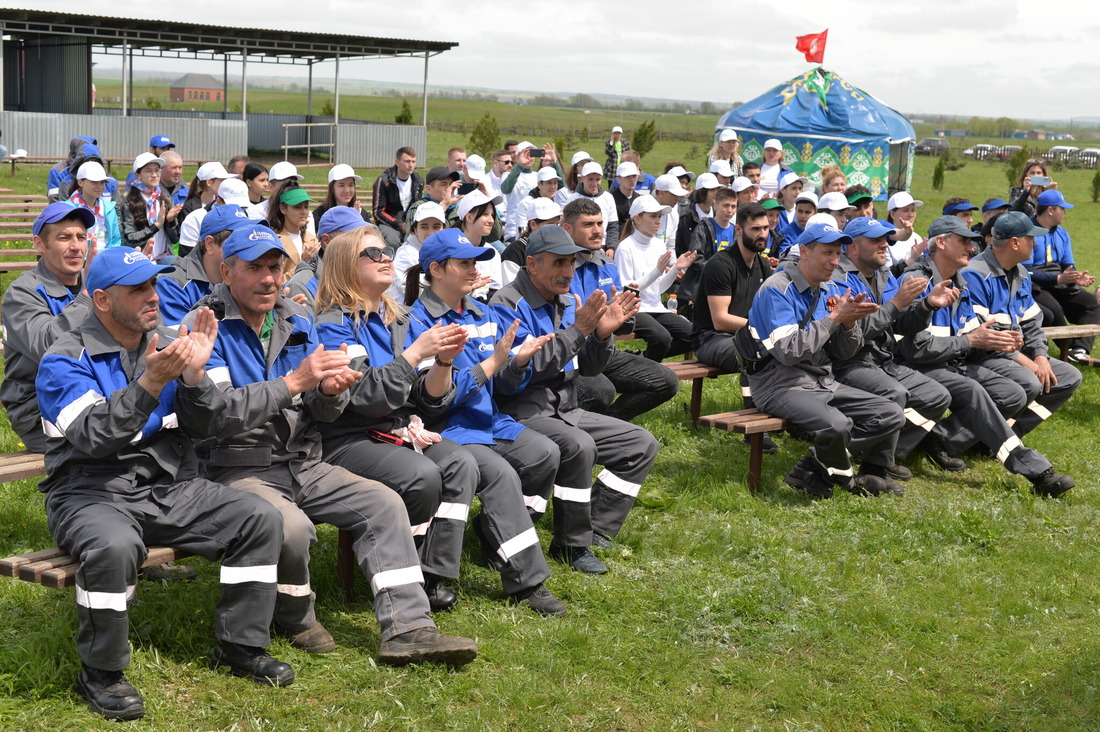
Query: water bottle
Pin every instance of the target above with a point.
(672, 305)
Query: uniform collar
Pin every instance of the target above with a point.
(55, 287)
(98, 340)
(598, 258)
(525, 287)
(436, 308)
(797, 279)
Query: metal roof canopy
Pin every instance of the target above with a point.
(128, 37)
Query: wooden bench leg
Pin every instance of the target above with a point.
(756, 460)
(345, 565)
(696, 400)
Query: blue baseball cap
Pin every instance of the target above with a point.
(450, 244)
(161, 141)
(59, 210)
(993, 204)
(959, 207)
(122, 266)
(1016, 223)
(823, 233)
(252, 242)
(868, 227)
(229, 217)
(1053, 198)
(339, 218)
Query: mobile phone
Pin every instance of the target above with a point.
(632, 288)
(385, 437)
(1040, 180)
(538, 152)
(467, 188)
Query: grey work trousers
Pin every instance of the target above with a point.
(582, 506)
(437, 488)
(108, 536)
(843, 423)
(516, 479)
(980, 402)
(923, 401)
(375, 516)
(1039, 405)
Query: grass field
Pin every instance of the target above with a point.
(968, 604)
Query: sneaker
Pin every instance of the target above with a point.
(770, 448)
(440, 597)
(937, 453)
(315, 639)
(1077, 355)
(899, 472)
(541, 600)
(1051, 484)
(169, 572)
(427, 644)
(579, 558)
(252, 662)
(109, 693)
(806, 477)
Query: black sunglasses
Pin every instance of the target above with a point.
(375, 254)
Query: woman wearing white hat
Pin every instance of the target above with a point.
(908, 245)
(614, 148)
(476, 216)
(342, 181)
(572, 176)
(87, 192)
(727, 146)
(145, 211)
(589, 187)
(644, 263)
(204, 188)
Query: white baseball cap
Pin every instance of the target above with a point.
(626, 170)
(283, 170)
(616, 128)
(591, 167)
(145, 158)
(773, 143)
(525, 145)
(901, 199)
(821, 218)
(647, 204)
(722, 168)
(475, 167)
(93, 171)
(791, 177)
(707, 180)
(580, 156)
(234, 190)
(339, 172)
(545, 174)
(727, 135)
(213, 171)
(741, 183)
(670, 183)
(472, 200)
(544, 209)
(833, 201)
(679, 172)
(429, 210)
(807, 196)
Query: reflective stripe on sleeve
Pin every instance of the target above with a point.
(73, 409)
(535, 503)
(1006, 449)
(421, 529)
(294, 590)
(237, 575)
(616, 483)
(104, 600)
(355, 350)
(396, 578)
(573, 495)
(518, 543)
(781, 332)
(219, 375)
(453, 511)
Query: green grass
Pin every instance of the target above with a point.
(966, 605)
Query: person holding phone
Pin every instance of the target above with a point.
(1032, 181)
(522, 179)
(440, 186)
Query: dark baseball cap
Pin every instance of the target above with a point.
(552, 238)
(1016, 223)
(441, 172)
(951, 225)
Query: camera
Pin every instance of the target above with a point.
(537, 152)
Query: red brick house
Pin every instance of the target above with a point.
(196, 88)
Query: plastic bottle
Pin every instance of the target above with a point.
(672, 305)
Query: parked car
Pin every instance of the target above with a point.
(983, 152)
(932, 146)
(1064, 153)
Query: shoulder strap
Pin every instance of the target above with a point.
(810, 313)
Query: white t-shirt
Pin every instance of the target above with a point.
(524, 183)
(637, 257)
(490, 268)
(899, 250)
(405, 190)
(189, 232)
(769, 177)
(670, 222)
(406, 256)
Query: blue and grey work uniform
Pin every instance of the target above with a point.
(37, 310)
(180, 289)
(873, 368)
(266, 442)
(549, 405)
(797, 382)
(436, 483)
(304, 280)
(1052, 255)
(122, 473)
(517, 465)
(983, 403)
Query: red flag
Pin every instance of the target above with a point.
(813, 46)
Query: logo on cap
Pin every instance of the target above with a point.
(240, 214)
(463, 240)
(134, 257)
(258, 235)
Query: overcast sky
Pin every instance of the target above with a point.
(968, 57)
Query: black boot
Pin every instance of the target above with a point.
(109, 693)
(440, 596)
(253, 663)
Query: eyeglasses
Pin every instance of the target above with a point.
(375, 254)
(508, 162)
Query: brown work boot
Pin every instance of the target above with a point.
(427, 644)
(315, 639)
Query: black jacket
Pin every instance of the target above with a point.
(387, 198)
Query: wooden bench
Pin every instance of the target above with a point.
(696, 372)
(1063, 334)
(55, 569)
(751, 422)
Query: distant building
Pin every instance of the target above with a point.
(196, 88)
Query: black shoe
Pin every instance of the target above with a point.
(440, 596)
(899, 472)
(806, 477)
(579, 558)
(937, 453)
(427, 644)
(109, 693)
(492, 559)
(599, 541)
(541, 600)
(770, 448)
(252, 663)
(1051, 484)
(169, 572)
(865, 484)
(315, 639)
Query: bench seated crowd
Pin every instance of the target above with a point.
(213, 369)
